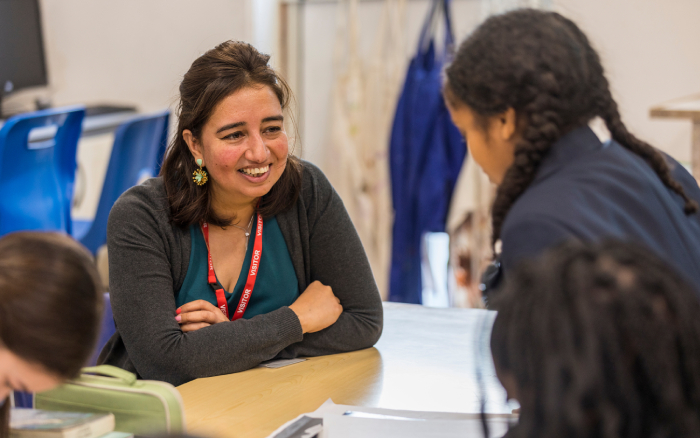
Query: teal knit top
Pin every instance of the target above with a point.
(276, 284)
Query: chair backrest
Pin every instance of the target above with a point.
(106, 330)
(139, 144)
(163, 147)
(37, 169)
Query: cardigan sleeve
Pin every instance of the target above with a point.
(143, 304)
(337, 259)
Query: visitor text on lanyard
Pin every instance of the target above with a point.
(252, 274)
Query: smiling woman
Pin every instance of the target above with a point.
(238, 252)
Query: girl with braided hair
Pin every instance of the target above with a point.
(599, 340)
(522, 90)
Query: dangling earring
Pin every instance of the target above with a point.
(199, 176)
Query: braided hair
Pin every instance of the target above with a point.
(543, 66)
(602, 340)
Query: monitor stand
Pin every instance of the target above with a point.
(4, 115)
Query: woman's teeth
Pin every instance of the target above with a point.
(255, 172)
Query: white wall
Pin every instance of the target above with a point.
(131, 51)
(651, 50)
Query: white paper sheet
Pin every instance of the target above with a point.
(342, 426)
(279, 363)
(469, 424)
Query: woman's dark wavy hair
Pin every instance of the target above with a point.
(603, 340)
(543, 66)
(50, 304)
(215, 75)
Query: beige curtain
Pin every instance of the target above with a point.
(363, 103)
(491, 7)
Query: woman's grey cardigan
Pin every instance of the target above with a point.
(148, 261)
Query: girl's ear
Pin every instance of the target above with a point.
(192, 143)
(509, 124)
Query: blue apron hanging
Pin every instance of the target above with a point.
(426, 153)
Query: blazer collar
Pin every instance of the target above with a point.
(568, 149)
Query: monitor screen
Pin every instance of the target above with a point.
(22, 61)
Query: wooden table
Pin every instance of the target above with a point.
(427, 359)
(686, 108)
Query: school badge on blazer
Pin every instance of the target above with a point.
(142, 407)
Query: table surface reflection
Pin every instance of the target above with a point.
(427, 359)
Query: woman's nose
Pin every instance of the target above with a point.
(258, 150)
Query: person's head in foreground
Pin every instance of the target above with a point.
(599, 340)
(518, 84)
(50, 310)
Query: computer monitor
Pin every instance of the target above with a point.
(22, 60)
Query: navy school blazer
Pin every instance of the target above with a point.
(588, 190)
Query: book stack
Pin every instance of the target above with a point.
(35, 423)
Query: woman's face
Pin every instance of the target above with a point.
(16, 374)
(491, 146)
(243, 145)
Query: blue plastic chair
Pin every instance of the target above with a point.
(139, 146)
(37, 169)
(106, 331)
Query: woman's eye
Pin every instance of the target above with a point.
(234, 136)
(273, 129)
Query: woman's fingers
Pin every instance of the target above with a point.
(199, 311)
(197, 315)
(197, 305)
(207, 316)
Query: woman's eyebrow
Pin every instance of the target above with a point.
(273, 119)
(230, 126)
(237, 124)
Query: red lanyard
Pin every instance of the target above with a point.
(252, 274)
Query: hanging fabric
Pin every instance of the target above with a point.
(363, 99)
(426, 155)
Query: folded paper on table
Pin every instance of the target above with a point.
(340, 421)
(279, 363)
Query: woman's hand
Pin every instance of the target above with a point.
(317, 308)
(198, 314)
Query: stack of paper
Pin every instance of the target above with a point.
(342, 421)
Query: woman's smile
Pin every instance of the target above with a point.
(255, 174)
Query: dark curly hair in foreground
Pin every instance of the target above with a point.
(601, 340)
(543, 66)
